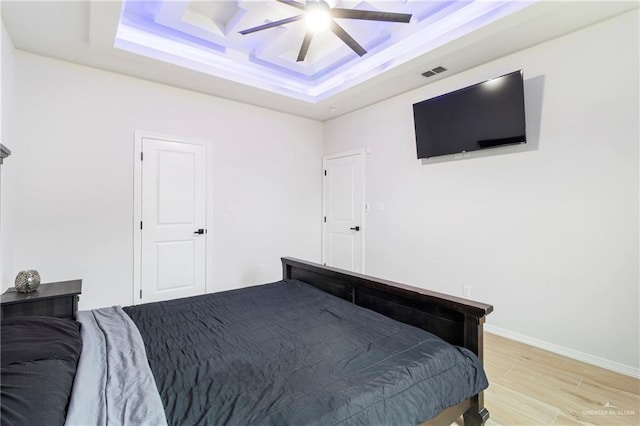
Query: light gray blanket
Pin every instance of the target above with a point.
(113, 384)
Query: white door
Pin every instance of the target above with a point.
(173, 227)
(343, 204)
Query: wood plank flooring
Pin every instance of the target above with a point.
(530, 386)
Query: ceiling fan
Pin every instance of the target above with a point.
(319, 15)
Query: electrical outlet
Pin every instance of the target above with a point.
(466, 290)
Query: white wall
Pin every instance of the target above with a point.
(7, 170)
(547, 232)
(73, 211)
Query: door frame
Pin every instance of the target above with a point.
(361, 154)
(137, 207)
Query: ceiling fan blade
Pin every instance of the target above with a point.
(370, 15)
(294, 4)
(305, 46)
(272, 24)
(349, 41)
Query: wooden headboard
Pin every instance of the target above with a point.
(456, 320)
(453, 319)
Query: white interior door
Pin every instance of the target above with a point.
(173, 227)
(343, 204)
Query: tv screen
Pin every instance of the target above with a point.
(484, 115)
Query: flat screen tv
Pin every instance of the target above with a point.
(484, 115)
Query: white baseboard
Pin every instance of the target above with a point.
(627, 370)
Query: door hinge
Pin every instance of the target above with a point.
(141, 156)
(140, 293)
(325, 219)
(325, 172)
(140, 224)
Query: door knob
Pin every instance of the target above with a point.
(355, 228)
(200, 231)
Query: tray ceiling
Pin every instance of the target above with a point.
(195, 45)
(204, 36)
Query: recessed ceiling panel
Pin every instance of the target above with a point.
(205, 36)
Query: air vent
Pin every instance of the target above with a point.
(436, 70)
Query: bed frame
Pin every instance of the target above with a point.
(455, 320)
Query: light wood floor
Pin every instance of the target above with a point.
(530, 386)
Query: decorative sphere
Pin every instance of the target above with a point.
(27, 281)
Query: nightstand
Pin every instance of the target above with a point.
(52, 300)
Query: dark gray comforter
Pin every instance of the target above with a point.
(287, 353)
(39, 358)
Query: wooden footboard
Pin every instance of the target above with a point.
(455, 320)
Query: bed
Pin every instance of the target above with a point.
(322, 346)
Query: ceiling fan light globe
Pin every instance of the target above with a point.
(318, 20)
